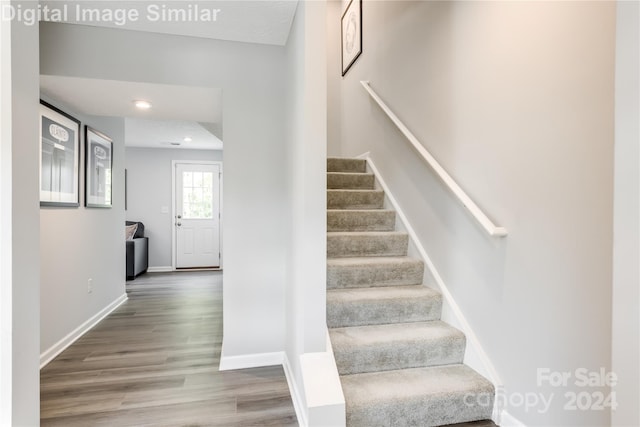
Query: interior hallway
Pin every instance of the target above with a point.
(154, 361)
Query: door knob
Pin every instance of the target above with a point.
(178, 224)
(179, 216)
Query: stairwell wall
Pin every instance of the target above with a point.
(515, 100)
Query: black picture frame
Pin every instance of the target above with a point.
(59, 165)
(98, 183)
(351, 34)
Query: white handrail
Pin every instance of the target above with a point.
(466, 201)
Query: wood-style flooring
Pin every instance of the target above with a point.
(154, 362)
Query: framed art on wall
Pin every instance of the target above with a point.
(98, 166)
(351, 34)
(59, 157)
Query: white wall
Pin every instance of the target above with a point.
(19, 226)
(149, 191)
(306, 118)
(254, 195)
(626, 249)
(78, 244)
(316, 392)
(515, 100)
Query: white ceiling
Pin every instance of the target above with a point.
(176, 112)
(115, 98)
(150, 133)
(251, 21)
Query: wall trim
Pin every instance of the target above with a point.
(245, 361)
(509, 420)
(299, 404)
(475, 356)
(161, 269)
(50, 354)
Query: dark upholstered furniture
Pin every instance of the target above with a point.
(137, 252)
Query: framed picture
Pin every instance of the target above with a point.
(59, 157)
(98, 166)
(351, 34)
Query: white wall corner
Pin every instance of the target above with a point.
(245, 361)
(475, 356)
(50, 354)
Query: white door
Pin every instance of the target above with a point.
(197, 215)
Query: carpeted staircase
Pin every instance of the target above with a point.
(399, 364)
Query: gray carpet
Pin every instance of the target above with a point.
(399, 364)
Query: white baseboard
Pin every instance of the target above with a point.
(508, 420)
(49, 354)
(245, 361)
(161, 269)
(475, 355)
(298, 399)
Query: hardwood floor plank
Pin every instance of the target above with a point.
(154, 362)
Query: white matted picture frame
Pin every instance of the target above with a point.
(351, 24)
(59, 157)
(98, 166)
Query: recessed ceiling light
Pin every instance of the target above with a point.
(187, 139)
(143, 105)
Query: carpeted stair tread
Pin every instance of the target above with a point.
(360, 272)
(396, 346)
(355, 199)
(366, 243)
(342, 164)
(424, 397)
(350, 180)
(380, 305)
(360, 220)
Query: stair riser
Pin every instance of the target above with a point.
(429, 411)
(380, 245)
(374, 275)
(360, 220)
(359, 199)
(346, 165)
(379, 312)
(350, 181)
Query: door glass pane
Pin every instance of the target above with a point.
(187, 179)
(197, 195)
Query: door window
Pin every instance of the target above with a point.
(197, 195)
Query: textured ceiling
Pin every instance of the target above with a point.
(115, 98)
(251, 21)
(177, 111)
(165, 133)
